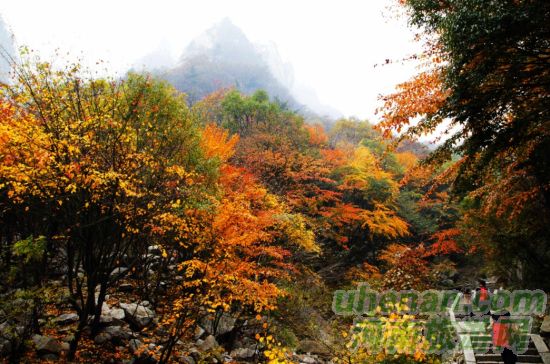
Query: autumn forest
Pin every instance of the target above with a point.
(138, 226)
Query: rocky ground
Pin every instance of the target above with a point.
(132, 330)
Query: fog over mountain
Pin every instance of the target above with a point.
(7, 50)
(223, 57)
(157, 60)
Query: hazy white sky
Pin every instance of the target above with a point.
(332, 45)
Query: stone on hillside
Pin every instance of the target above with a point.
(152, 257)
(118, 271)
(138, 315)
(225, 324)
(243, 353)
(102, 338)
(46, 345)
(96, 295)
(110, 315)
(208, 343)
(118, 332)
(545, 326)
(154, 249)
(66, 318)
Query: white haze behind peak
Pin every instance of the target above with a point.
(332, 46)
(161, 57)
(283, 71)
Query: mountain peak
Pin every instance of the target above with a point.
(223, 41)
(223, 56)
(226, 29)
(226, 23)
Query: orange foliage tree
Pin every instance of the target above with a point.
(100, 169)
(243, 252)
(490, 104)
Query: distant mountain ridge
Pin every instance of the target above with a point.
(223, 57)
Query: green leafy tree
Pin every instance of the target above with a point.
(488, 85)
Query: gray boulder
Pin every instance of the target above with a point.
(102, 338)
(46, 345)
(118, 332)
(154, 249)
(225, 324)
(243, 353)
(111, 315)
(118, 271)
(138, 315)
(208, 343)
(66, 318)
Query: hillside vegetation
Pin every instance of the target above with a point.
(138, 226)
